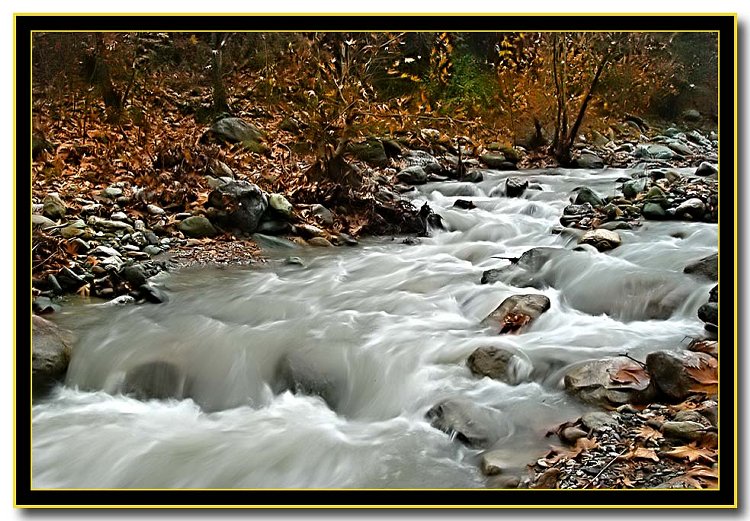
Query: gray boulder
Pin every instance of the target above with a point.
(244, 204)
(601, 239)
(493, 362)
(515, 186)
(709, 313)
(653, 211)
(50, 353)
(517, 311)
(54, 207)
(632, 188)
(693, 208)
(669, 371)
(234, 130)
(707, 267)
(471, 424)
(680, 148)
(590, 161)
(414, 175)
(197, 226)
(587, 195)
(280, 203)
(493, 160)
(592, 382)
(706, 169)
(370, 151)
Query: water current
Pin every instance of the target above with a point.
(320, 374)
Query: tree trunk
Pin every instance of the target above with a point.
(102, 79)
(585, 103)
(217, 80)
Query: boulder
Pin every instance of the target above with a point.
(273, 226)
(597, 382)
(269, 242)
(135, 274)
(707, 267)
(654, 151)
(234, 130)
(597, 421)
(280, 203)
(515, 186)
(590, 161)
(706, 169)
(152, 294)
(709, 313)
(517, 311)
(370, 151)
(693, 209)
(474, 425)
(319, 242)
(54, 207)
(156, 380)
(423, 159)
(50, 353)
(670, 372)
(713, 295)
(601, 239)
(308, 231)
(683, 430)
(493, 160)
(653, 211)
(493, 362)
(585, 195)
(322, 213)
(414, 175)
(243, 202)
(573, 213)
(691, 115)
(632, 188)
(494, 462)
(197, 226)
(40, 222)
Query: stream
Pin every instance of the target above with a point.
(320, 374)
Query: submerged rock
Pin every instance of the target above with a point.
(471, 424)
(493, 362)
(156, 380)
(707, 267)
(518, 311)
(51, 348)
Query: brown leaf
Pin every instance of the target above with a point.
(692, 453)
(705, 375)
(648, 433)
(548, 479)
(632, 375)
(708, 477)
(640, 453)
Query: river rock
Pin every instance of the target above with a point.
(157, 380)
(494, 462)
(693, 209)
(632, 188)
(76, 228)
(669, 371)
(155, 210)
(273, 226)
(601, 239)
(309, 231)
(319, 242)
(654, 151)
(680, 148)
(40, 222)
(517, 311)
(414, 175)
(152, 294)
(575, 213)
(597, 421)
(472, 424)
(322, 373)
(592, 382)
(370, 151)
(322, 213)
(269, 242)
(421, 158)
(112, 192)
(515, 186)
(108, 225)
(584, 195)
(590, 161)
(51, 348)
(653, 211)
(234, 130)
(280, 203)
(134, 274)
(472, 176)
(493, 159)
(713, 295)
(54, 207)
(706, 169)
(243, 202)
(493, 362)
(709, 313)
(691, 115)
(197, 226)
(683, 430)
(707, 267)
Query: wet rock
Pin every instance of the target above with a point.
(473, 176)
(273, 226)
(119, 216)
(653, 211)
(574, 213)
(50, 353)
(471, 424)
(680, 148)
(634, 187)
(493, 362)
(280, 203)
(152, 294)
(683, 430)
(592, 382)
(308, 231)
(429, 164)
(515, 186)
(707, 267)
(601, 239)
(586, 195)
(69, 280)
(322, 213)
(464, 204)
(370, 151)
(319, 242)
(713, 295)
(494, 462)
(54, 207)
(706, 169)
(323, 375)
(197, 226)
(44, 306)
(691, 115)
(346, 240)
(709, 313)
(76, 228)
(589, 161)
(693, 208)
(654, 151)
(243, 202)
(112, 192)
(135, 274)
(670, 371)
(414, 175)
(152, 250)
(157, 380)
(572, 434)
(597, 421)
(269, 242)
(493, 160)
(502, 481)
(517, 311)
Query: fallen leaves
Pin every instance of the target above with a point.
(705, 375)
(692, 453)
(640, 453)
(630, 375)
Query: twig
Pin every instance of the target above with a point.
(633, 359)
(623, 451)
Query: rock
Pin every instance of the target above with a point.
(493, 362)
(119, 216)
(691, 115)
(370, 151)
(347, 240)
(515, 186)
(290, 124)
(273, 226)
(464, 204)
(592, 382)
(414, 175)
(709, 313)
(50, 353)
(505, 482)
(152, 294)
(683, 430)
(308, 231)
(493, 462)
(493, 160)
(706, 169)
(654, 151)
(280, 203)
(669, 371)
(713, 295)
(474, 425)
(572, 434)
(244, 203)
(420, 158)
(112, 192)
(322, 213)
(393, 148)
(472, 176)
(218, 168)
(105, 251)
(693, 208)
(44, 306)
(696, 137)
(234, 130)
(108, 225)
(597, 421)
(74, 229)
(601, 239)
(155, 210)
(135, 274)
(653, 211)
(157, 380)
(319, 242)
(54, 207)
(573, 213)
(707, 267)
(40, 222)
(268, 242)
(680, 148)
(632, 188)
(197, 226)
(587, 195)
(517, 311)
(122, 300)
(152, 250)
(69, 280)
(589, 161)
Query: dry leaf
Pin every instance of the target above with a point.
(640, 453)
(631, 375)
(692, 453)
(648, 433)
(705, 375)
(708, 477)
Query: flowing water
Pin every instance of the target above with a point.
(371, 338)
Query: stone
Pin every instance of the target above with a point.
(40, 222)
(634, 187)
(575, 212)
(156, 380)
(572, 434)
(44, 306)
(69, 280)
(592, 383)
(597, 421)
(503, 481)
(589, 161)
(653, 211)
(152, 250)
(421, 158)
(197, 226)
(244, 202)
(320, 242)
(585, 195)
(709, 313)
(322, 213)
(683, 430)
(109, 225)
(218, 168)
(693, 208)
(691, 115)
(51, 349)
(473, 176)
(308, 231)
(269, 242)
(493, 160)
(324, 374)
(669, 371)
(707, 267)
(654, 151)
(464, 204)
(155, 210)
(706, 169)
(280, 203)
(347, 240)
(74, 229)
(152, 294)
(414, 175)
(493, 462)
(601, 239)
(234, 130)
(493, 362)
(112, 192)
(273, 226)
(105, 251)
(713, 295)
(471, 424)
(680, 148)
(134, 274)
(517, 311)
(515, 186)
(54, 207)
(370, 151)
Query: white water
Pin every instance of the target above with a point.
(383, 330)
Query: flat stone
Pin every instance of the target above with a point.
(596, 421)
(197, 226)
(490, 361)
(518, 311)
(601, 239)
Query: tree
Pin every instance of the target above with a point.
(218, 42)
